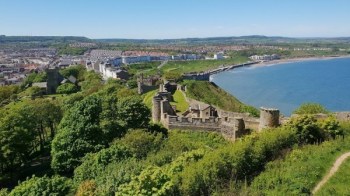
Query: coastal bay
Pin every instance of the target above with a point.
(324, 80)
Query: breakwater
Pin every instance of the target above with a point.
(206, 75)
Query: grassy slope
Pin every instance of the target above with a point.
(211, 94)
(301, 170)
(200, 65)
(149, 68)
(147, 98)
(339, 183)
(180, 102)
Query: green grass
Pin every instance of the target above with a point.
(180, 102)
(300, 171)
(212, 94)
(339, 183)
(148, 68)
(147, 98)
(200, 65)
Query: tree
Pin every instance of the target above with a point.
(55, 185)
(77, 71)
(47, 114)
(40, 77)
(67, 88)
(92, 82)
(7, 91)
(311, 108)
(79, 133)
(133, 113)
(17, 137)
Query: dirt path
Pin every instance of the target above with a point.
(334, 169)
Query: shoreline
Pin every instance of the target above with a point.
(295, 60)
(339, 113)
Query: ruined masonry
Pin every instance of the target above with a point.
(231, 125)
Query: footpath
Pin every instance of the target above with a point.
(334, 169)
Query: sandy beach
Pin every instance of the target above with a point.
(293, 60)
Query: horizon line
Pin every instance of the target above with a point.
(237, 36)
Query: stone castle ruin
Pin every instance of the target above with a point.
(205, 117)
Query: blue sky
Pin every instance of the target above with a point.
(175, 19)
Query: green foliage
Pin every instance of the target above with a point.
(151, 181)
(79, 133)
(7, 91)
(200, 65)
(172, 75)
(300, 170)
(331, 127)
(92, 82)
(132, 84)
(95, 164)
(71, 51)
(4, 192)
(211, 94)
(34, 91)
(55, 185)
(311, 108)
(141, 142)
(132, 113)
(240, 161)
(67, 88)
(17, 136)
(78, 71)
(40, 77)
(34, 77)
(307, 129)
(339, 183)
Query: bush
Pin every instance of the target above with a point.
(141, 142)
(331, 127)
(67, 88)
(311, 108)
(307, 129)
(236, 162)
(55, 185)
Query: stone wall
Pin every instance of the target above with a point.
(142, 88)
(185, 123)
(342, 116)
(197, 76)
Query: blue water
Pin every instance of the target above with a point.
(286, 86)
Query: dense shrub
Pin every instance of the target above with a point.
(67, 88)
(300, 170)
(55, 185)
(311, 108)
(307, 129)
(240, 161)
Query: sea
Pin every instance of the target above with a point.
(288, 85)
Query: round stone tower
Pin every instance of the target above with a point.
(156, 109)
(269, 117)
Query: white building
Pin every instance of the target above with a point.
(135, 59)
(265, 57)
(219, 56)
(108, 71)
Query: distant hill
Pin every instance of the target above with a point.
(238, 40)
(35, 39)
(252, 39)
